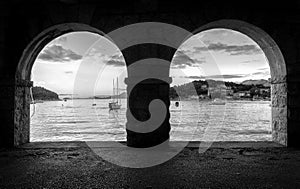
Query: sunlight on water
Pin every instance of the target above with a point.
(79, 120)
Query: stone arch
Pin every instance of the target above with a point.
(39, 42)
(277, 69)
(23, 72)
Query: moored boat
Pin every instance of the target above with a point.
(115, 103)
(218, 101)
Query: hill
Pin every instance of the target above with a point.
(197, 87)
(40, 93)
(263, 82)
(122, 95)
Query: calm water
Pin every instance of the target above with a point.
(192, 120)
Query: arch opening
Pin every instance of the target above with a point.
(275, 68)
(75, 61)
(265, 42)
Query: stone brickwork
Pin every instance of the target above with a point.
(279, 112)
(22, 112)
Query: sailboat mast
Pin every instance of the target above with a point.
(120, 98)
(113, 93)
(117, 90)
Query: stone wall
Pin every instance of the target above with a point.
(23, 21)
(22, 112)
(279, 112)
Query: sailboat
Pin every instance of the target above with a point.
(216, 101)
(115, 103)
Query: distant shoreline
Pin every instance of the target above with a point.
(173, 100)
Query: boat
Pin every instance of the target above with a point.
(218, 101)
(115, 102)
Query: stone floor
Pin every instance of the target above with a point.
(223, 165)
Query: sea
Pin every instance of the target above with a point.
(192, 120)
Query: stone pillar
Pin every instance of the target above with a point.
(147, 90)
(286, 119)
(22, 112)
(279, 111)
(14, 112)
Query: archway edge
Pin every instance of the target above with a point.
(32, 50)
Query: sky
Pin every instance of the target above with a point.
(219, 54)
(85, 64)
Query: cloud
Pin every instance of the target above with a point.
(93, 52)
(250, 61)
(219, 32)
(226, 76)
(68, 72)
(262, 73)
(182, 60)
(264, 69)
(56, 53)
(116, 60)
(195, 77)
(61, 39)
(231, 49)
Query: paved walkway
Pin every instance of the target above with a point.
(224, 165)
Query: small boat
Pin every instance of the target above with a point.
(114, 106)
(115, 103)
(218, 101)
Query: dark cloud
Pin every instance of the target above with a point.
(115, 63)
(181, 60)
(264, 69)
(219, 32)
(68, 72)
(231, 49)
(226, 76)
(263, 73)
(195, 77)
(115, 60)
(249, 61)
(56, 53)
(62, 39)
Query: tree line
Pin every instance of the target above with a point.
(196, 88)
